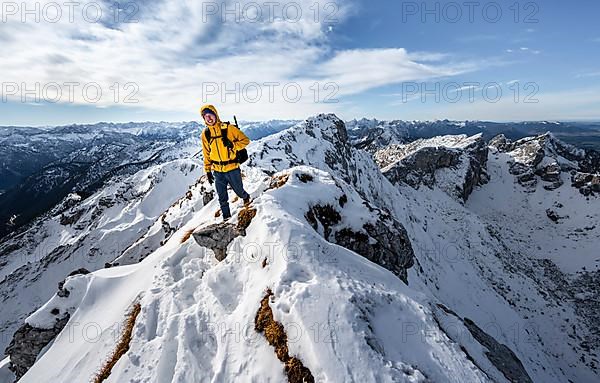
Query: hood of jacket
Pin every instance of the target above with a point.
(213, 109)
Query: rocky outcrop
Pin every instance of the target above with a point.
(545, 158)
(383, 241)
(217, 237)
(419, 168)
(588, 184)
(457, 164)
(391, 248)
(501, 356)
(28, 342)
(501, 143)
(64, 293)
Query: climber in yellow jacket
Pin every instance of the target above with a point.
(220, 143)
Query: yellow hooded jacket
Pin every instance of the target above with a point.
(216, 155)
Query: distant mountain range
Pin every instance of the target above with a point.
(582, 134)
(40, 166)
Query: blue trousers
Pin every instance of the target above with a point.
(233, 178)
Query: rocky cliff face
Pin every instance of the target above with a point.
(454, 163)
(323, 142)
(546, 159)
(28, 342)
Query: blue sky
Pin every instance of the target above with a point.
(422, 60)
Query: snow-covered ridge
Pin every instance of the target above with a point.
(85, 234)
(394, 153)
(42, 165)
(206, 311)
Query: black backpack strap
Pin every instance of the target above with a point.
(224, 130)
(208, 135)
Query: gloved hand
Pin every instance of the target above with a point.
(210, 177)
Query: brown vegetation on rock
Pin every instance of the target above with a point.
(186, 235)
(245, 217)
(122, 346)
(264, 323)
(278, 181)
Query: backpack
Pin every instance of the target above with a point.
(241, 156)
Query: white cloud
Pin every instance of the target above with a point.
(179, 46)
(362, 69)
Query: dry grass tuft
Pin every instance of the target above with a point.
(265, 262)
(275, 333)
(218, 213)
(279, 181)
(245, 217)
(186, 235)
(122, 346)
(297, 372)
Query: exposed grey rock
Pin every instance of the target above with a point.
(64, 293)
(326, 215)
(501, 143)
(545, 158)
(28, 342)
(71, 219)
(588, 184)
(217, 237)
(501, 356)
(385, 241)
(525, 175)
(207, 195)
(419, 168)
(392, 248)
(417, 163)
(554, 217)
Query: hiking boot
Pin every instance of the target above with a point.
(247, 201)
(225, 219)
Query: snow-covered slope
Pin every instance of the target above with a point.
(477, 308)
(85, 234)
(197, 320)
(41, 166)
